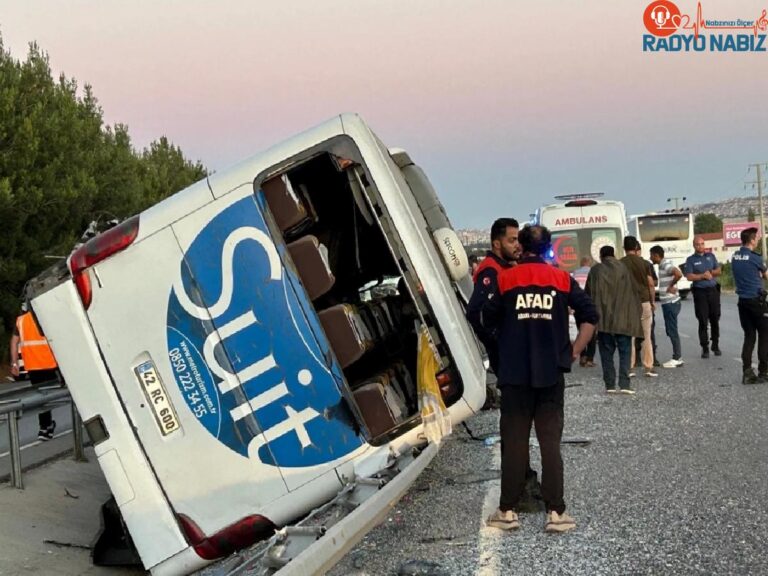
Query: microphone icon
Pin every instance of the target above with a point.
(660, 15)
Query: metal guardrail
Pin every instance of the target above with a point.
(14, 410)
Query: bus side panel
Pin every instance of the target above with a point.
(271, 361)
(147, 513)
(202, 478)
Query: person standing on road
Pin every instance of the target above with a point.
(587, 359)
(38, 361)
(701, 268)
(504, 252)
(619, 310)
(530, 315)
(644, 287)
(669, 276)
(748, 273)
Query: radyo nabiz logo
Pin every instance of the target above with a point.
(672, 31)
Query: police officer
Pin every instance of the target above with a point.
(748, 273)
(503, 253)
(701, 268)
(530, 314)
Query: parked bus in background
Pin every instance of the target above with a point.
(581, 224)
(673, 231)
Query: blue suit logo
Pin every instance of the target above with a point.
(247, 351)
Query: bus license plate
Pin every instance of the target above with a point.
(157, 397)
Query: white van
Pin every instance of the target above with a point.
(581, 224)
(227, 352)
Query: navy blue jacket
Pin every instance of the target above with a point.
(531, 317)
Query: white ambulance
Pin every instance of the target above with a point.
(581, 224)
(228, 355)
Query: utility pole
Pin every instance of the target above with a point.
(759, 183)
(677, 199)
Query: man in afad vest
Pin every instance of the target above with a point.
(38, 361)
(530, 316)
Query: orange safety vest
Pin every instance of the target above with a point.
(33, 345)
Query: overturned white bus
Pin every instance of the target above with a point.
(228, 355)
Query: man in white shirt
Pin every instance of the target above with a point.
(669, 276)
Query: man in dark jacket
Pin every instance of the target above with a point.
(530, 315)
(504, 251)
(608, 284)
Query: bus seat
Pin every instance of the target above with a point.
(311, 261)
(344, 328)
(381, 408)
(292, 211)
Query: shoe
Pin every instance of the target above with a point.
(749, 377)
(44, 435)
(716, 351)
(504, 520)
(611, 391)
(651, 374)
(679, 362)
(705, 352)
(590, 364)
(628, 391)
(632, 374)
(762, 378)
(671, 364)
(656, 363)
(52, 427)
(558, 523)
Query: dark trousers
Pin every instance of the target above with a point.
(671, 312)
(706, 303)
(609, 343)
(520, 407)
(41, 378)
(754, 324)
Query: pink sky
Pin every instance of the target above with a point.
(506, 102)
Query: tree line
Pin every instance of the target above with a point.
(62, 167)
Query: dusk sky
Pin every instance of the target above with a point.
(504, 104)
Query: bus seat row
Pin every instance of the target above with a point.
(381, 399)
(352, 330)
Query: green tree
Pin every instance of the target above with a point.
(706, 223)
(751, 215)
(61, 168)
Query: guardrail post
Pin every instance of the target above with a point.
(77, 434)
(15, 448)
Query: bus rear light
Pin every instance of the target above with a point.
(97, 249)
(234, 537)
(448, 387)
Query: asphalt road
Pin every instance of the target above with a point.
(672, 482)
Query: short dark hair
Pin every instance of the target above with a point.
(535, 239)
(657, 250)
(607, 251)
(631, 243)
(747, 235)
(499, 227)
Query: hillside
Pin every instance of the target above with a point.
(736, 208)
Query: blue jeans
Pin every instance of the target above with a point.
(670, 324)
(608, 344)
